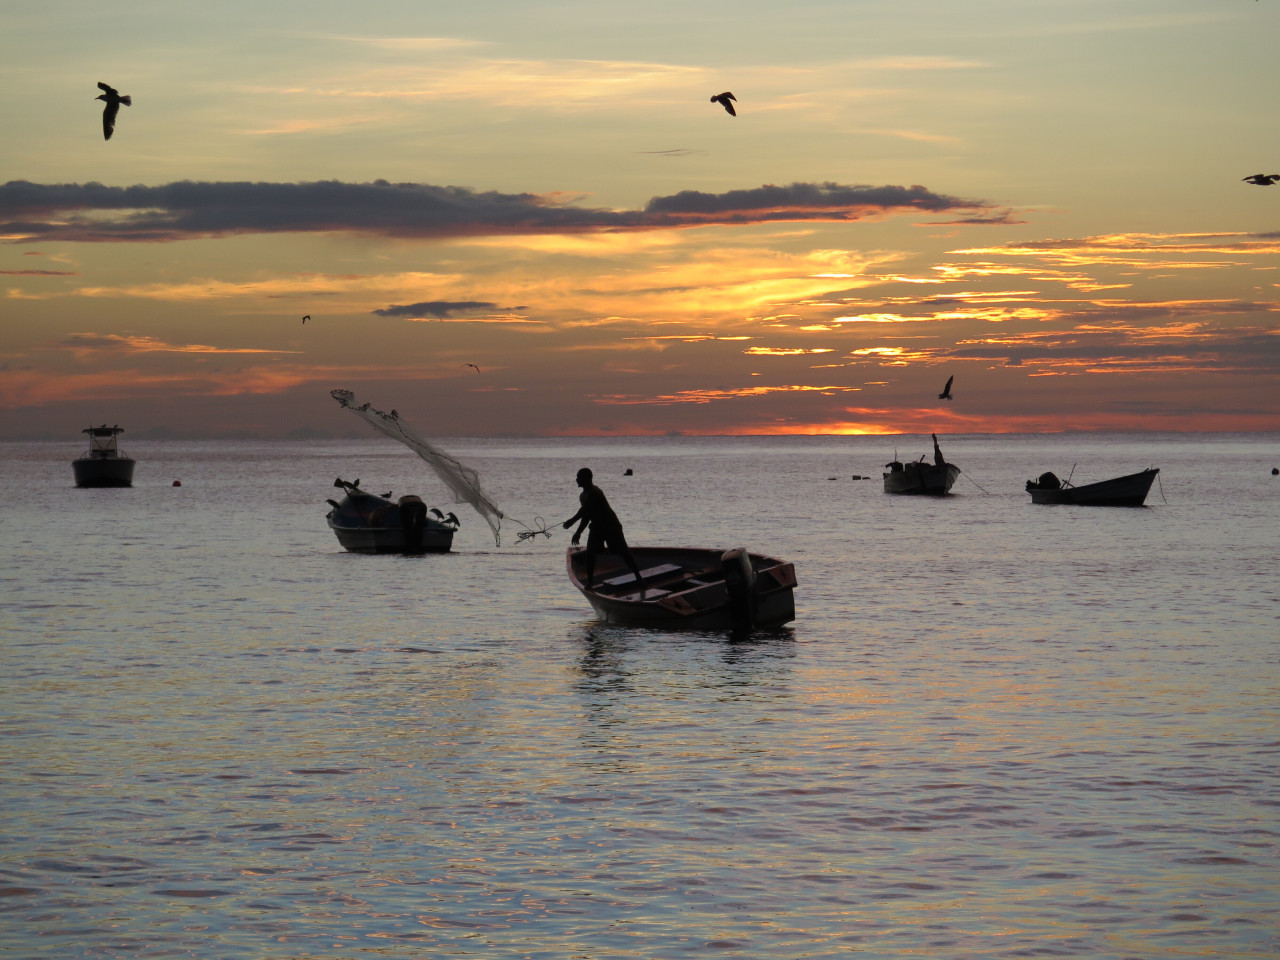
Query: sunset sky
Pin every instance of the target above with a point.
(1043, 198)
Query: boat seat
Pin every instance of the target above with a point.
(649, 574)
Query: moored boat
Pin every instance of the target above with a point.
(103, 465)
(1126, 491)
(920, 477)
(688, 588)
(372, 523)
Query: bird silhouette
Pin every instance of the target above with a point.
(306, 318)
(477, 369)
(1263, 179)
(723, 99)
(946, 391)
(111, 97)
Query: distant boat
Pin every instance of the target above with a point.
(103, 465)
(1127, 491)
(369, 523)
(688, 588)
(920, 477)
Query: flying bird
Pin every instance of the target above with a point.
(723, 99)
(472, 365)
(306, 318)
(111, 97)
(946, 391)
(1263, 179)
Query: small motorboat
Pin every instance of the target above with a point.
(688, 588)
(372, 523)
(1127, 491)
(103, 465)
(920, 477)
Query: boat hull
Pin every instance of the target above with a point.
(1128, 491)
(921, 479)
(391, 540)
(687, 589)
(103, 471)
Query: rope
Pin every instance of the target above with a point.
(975, 483)
(543, 529)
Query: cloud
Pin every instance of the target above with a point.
(709, 395)
(93, 212)
(38, 273)
(435, 309)
(86, 343)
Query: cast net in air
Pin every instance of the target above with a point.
(463, 482)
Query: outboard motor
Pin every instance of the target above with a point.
(413, 519)
(740, 583)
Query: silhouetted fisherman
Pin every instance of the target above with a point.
(1263, 179)
(723, 99)
(946, 391)
(606, 529)
(113, 100)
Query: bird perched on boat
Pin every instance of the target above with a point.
(723, 99)
(946, 391)
(437, 512)
(111, 97)
(1263, 179)
(473, 366)
(453, 519)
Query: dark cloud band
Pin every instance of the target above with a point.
(93, 212)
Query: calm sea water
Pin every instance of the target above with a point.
(994, 730)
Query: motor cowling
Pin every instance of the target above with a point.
(740, 584)
(413, 520)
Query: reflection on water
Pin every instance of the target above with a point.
(992, 730)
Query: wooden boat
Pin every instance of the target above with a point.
(921, 478)
(369, 523)
(103, 465)
(1128, 491)
(688, 588)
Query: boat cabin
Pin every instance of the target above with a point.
(102, 442)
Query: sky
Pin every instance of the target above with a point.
(1040, 198)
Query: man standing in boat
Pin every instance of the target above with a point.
(606, 529)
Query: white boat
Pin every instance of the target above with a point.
(103, 465)
(1127, 491)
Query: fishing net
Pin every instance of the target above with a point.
(463, 482)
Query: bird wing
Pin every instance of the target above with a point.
(729, 106)
(947, 388)
(109, 119)
(109, 91)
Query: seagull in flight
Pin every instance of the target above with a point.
(1263, 179)
(723, 99)
(473, 366)
(306, 318)
(112, 98)
(946, 391)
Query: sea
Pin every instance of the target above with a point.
(993, 730)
